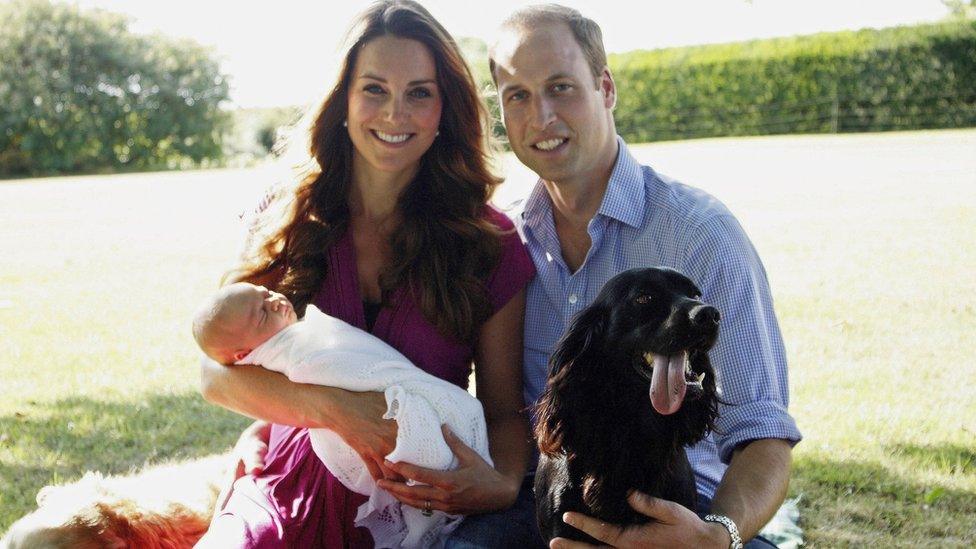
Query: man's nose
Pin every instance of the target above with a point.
(542, 112)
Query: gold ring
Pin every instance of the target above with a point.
(427, 510)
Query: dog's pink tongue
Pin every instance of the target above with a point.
(668, 384)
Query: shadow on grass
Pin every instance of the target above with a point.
(946, 458)
(864, 503)
(57, 442)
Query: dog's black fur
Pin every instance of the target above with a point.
(598, 434)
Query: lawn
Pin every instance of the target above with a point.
(869, 242)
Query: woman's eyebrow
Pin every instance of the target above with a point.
(411, 83)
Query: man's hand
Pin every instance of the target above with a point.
(474, 487)
(672, 526)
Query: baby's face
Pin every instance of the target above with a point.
(259, 314)
(264, 313)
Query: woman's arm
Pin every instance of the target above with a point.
(270, 397)
(498, 376)
(262, 394)
(476, 487)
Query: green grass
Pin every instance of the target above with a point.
(868, 241)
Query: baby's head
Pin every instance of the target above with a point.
(239, 318)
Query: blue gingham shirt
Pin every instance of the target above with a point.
(646, 220)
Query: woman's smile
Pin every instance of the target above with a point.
(393, 139)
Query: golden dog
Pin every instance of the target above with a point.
(162, 507)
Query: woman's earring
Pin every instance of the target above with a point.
(345, 123)
(438, 132)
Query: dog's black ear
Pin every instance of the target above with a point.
(569, 370)
(585, 337)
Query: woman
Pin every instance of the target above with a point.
(389, 230)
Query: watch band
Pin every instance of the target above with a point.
(729, 525)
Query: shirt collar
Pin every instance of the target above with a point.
(623, 199)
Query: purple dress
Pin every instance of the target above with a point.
(296, 501)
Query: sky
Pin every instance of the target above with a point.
(283, 52)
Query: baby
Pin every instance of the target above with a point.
(248, 324)
(239, 318)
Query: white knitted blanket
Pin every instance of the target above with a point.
(323, 350)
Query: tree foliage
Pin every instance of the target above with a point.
(79, 92)
(961, 9)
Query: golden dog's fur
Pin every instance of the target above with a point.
(162, 507)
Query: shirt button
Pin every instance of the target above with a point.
(573, 299)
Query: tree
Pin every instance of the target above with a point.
(79, 92)
(961, 9)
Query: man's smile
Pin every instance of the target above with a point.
(550, 145)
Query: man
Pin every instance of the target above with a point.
(596, 212)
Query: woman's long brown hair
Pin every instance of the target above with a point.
(445, 247)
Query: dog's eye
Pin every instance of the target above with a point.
(643, 299)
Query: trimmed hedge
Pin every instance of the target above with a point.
(870, 80)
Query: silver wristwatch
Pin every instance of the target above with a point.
(730, 526)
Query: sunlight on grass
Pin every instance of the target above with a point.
(868, 241)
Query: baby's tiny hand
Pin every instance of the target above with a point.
(251, 449)
(251, 457)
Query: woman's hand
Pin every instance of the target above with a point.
(363, 428)
(474, 487)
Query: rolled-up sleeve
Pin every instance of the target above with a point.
(749, 358)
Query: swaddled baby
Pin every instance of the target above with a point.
(247, 324)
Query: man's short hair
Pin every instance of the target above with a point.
(585, 30)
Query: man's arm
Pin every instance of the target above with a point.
(754, 432)
(754, 486)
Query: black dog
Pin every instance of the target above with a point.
(598, 434)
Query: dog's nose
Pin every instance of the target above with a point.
(705, 315)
